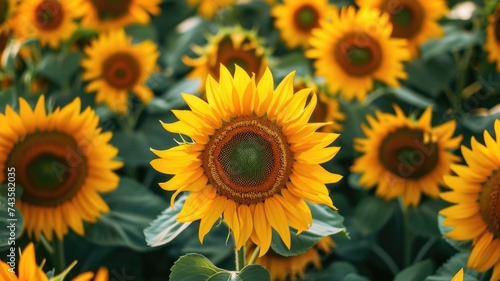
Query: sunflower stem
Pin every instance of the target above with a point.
(386, 258)
(427, 246)
(407, 235)
(254, 256)
(58, 255)
(240, 258)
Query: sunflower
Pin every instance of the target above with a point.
(229, 47)
(354, 49)
(101, 275)
(281, 267)
(492, 45)
(295, 19)
(327, 108)
(208, 8)
(52, 21)
(107, 15)
(62, 160)
(116, 67)
(7, 9)
(254, 158)
(459, 276)
(405, 157)
(28, 269)
(414, 20)
(475, 193)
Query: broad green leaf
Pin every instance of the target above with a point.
(373, 213)
(254, 272)
(60, 67)
(431, 76)
(173, 95)
(326, 222)
(291, 62)
(416, 272)
(455, 39)
(411, 97)
(452, 266)
(132, 208)
(140, 33)
(139, 154)
(193, 267)
(166, 227)
(336, 271)
(459, 245)
(11, 223)
(359, 246)
(423, 218)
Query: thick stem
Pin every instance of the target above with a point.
(58, 256)
(240, 258)
(407, 235)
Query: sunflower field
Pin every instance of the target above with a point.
(248, 140)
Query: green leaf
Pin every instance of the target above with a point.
(326, 222)
(140, 33)
(166, 227)
(11, 223)
(450, 268)
(254, 272)
(336, 271)
(423, 219)
(291, 62)
(59, 67)
(459, 245)
(193, 267)
(173, 96)
(432, 75)
(454, 40)
(416, 272)
(132, 208)
(412, 97)
(373, 213)
(139, 154)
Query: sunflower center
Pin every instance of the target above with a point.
(49, 166)
(248, 159)
(245, 56)
(121, 71)
(404, 153)
(4, 9)
(407, 17)
(489, 204)
(48, 15)
(111, 9)
(306, 18)
(358, 54)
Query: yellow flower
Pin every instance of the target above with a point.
(475, 194)
(405, 157)
(459, 276)
(492, 45)
(208, 8)
(7, 10)
(229, 47)
(52, 21)
(295, 19)
(254, 158)
(116, 68)
(28, 269)
(414, 20)
(62, 160)
(327, 109)
(281, 267)
(354, 49)
(101, 275)
(107, 15)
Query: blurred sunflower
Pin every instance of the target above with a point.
(254, 158)
(208, 8)
(107, 15)
(62, 161)
(229, 47)
(327, 108)
(295, 19)
(459, 276)
(354, 49)
(28, 269)
(414, 20)
(289, 268)
(492, 45)
(7, 9)
(52, 21)
(101, 275)
(405, 157)
(475, 194)
(116, 68)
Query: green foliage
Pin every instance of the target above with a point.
(416, 272)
